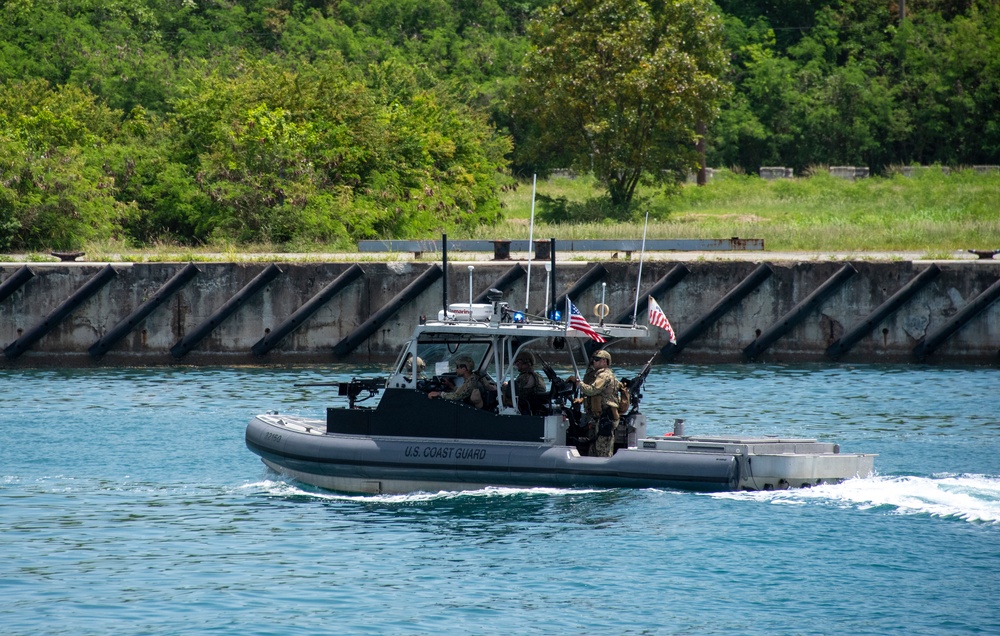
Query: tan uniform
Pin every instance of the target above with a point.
(529, 383)
(464, 392)
(602, 407)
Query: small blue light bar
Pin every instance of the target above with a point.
(518, 316)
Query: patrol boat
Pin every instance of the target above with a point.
(408, 442)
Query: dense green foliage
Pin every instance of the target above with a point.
(327, 121)
(200, 122)
(846, 82)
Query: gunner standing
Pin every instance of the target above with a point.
(601, 403)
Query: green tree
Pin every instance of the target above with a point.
(54, 191)
(318, 152)
(621, 85)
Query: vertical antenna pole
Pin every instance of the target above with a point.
(552, 257)
(548, 276)
(531, 236)
(642, 255)
(604, 289)
(470, 290)
(444, 281)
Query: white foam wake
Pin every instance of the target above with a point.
(967, 497)
(281, 488)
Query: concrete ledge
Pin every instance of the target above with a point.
(586, 245)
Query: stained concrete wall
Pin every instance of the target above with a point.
(230, 342)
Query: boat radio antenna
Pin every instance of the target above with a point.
(638, 281)
(552, 260)
(531, 236)
(444, 280)
(471, 267)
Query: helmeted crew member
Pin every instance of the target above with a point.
(529, 384)
(421, 365)
(469, 392)
(601, 404)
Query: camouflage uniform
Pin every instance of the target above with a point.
(525, 387)
(602, 408)
(464, 392)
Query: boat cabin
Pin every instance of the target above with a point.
(492, 336)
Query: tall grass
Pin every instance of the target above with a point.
(932, 212)
(928, 211)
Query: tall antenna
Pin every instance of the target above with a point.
(444, 280)
(471, 267)
(531, 236)
(638, 282)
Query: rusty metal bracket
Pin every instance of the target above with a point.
(589, 279)
(123, 328)
(959, 320)
(719, 309)
(370, 326)
(14, 283)
(307, 309)
(662, 286)
(51, 321)
(259, 282)
(798, 312)
(883, 311)
(508, 278)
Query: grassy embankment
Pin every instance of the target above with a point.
(933, 213)
(937, 215)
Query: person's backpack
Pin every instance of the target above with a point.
(624, 401)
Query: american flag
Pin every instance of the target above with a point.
(578, 322)
(659, 319)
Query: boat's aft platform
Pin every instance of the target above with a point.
(303, 449)
(769, 463)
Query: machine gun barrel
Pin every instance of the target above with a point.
(635, 384)
(560, 388)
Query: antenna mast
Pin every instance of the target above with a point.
(531, 236)
(642, 255)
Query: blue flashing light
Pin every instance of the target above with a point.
(555, 315)
(518, 316)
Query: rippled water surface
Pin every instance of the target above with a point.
(130, 505)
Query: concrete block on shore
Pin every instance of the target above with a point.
(770, 173)
(850, 173)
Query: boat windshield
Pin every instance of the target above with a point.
(440, 356)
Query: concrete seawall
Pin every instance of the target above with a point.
(91, 314)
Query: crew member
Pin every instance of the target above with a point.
(470, 391)
(408, 365)
(529, 384)
(601, 404)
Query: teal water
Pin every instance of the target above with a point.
(130, 505)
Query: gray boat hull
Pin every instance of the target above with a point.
(302, 449)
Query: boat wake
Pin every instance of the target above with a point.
(278, 488)
(974, 498)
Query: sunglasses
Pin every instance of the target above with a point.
(461, 366)
(596, 359)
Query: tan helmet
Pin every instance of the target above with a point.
(527, 356)
(421, 365)
(601, 353)
(467, 361)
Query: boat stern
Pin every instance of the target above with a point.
(773, 463)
